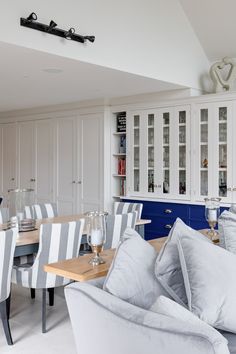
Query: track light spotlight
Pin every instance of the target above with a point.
(32, 17)
(90, 38)
(52, 25)
(68, 34)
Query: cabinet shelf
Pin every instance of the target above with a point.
(116, 175)
(119, 133)
(119, 154)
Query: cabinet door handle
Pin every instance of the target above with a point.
(32, 179)
(79, 182)
(159, 186)
(234, 189)
(229, 189)
(168, 211)
(12, 179)
(155, 185)
(73, 182)
(168, 226)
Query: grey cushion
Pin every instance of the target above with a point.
(231, 338)
(210, 281)
(227, 230)
(131, 276)
(168, 268)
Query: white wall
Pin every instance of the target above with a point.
(152, 38)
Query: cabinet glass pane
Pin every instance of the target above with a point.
(182, 156)
(166, 135)
(151, 120)
(182, 134)
(203, 163)
(223, 183)
(182, 117)
(151, 181)
(166, 182)
(204, 183)
(150, 136)
(223, 151)
(204, 156)
(204, 115)
(166, 118)
(150, 156)
(166, 156)
(204, 133)
(136, 172)
(182, 182)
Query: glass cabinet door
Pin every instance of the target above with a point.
(166, 152)
(136, 153)
(182, 151)
(203, 166)
(151, 153)
(222, 158)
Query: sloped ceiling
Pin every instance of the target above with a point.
(214, 24)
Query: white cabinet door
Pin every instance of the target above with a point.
(214, 151)
(1, 165)
(9, 157)
(44, 161)
(66, 165)
(26, 155)
(90, 163)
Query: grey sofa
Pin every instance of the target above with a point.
(105, 324)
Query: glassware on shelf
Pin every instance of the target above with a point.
(96, 236)
(212, 212)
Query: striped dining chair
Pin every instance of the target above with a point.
(56, 242)
(7, 249)
(4, 215)
(47, 210)
(115, 227)
(124, 208)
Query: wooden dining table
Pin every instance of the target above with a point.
(28, 241)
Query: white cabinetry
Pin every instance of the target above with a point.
(9, 157)
(159, 146)
(216, 156)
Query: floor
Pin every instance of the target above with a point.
(25, 325)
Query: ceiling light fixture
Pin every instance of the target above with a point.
(52, 28)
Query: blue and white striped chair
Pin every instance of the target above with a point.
(47, 210)
(124, 208)
(56, 242)
(4, 215)
(7, 249)
(115, 227)
(29, 212)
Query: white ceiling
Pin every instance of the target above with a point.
(25, 84)
(214, 23)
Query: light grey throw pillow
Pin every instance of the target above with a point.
(131, 276)
(168, 267)
(168, 307)
(210, 281)
(227, 230)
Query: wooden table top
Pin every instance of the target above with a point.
(31, 237)
(79, 269)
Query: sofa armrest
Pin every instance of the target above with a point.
(105, 324)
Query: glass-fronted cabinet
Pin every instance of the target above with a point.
(160, 146)
(214, 150)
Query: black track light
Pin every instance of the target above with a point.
(52, 25)
(68, 34)
(32, 17)
(90, 38)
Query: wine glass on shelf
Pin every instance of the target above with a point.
(212, 212)
(96, 235)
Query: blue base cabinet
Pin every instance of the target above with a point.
(163, 216)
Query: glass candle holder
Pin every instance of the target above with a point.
(212, 212)
(96, 236)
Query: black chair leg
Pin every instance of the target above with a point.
(51, 296)
(32, 293)
(43, 310)
(5, 322)
(8, 306)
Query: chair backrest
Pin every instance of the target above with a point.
(124, 208)
(56, 242)
(29, 212)
(1, 198)
(7, 249)
(4, 215)
(47, 210)
(115, 227)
